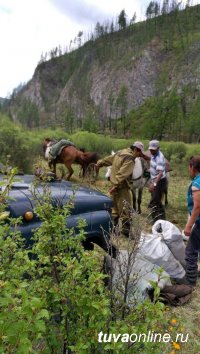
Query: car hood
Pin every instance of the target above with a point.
(83, 199)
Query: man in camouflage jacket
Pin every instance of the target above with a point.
(122, 163)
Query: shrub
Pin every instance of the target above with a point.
(174, 149)
(192, 150)
(93, 142)
(53, 298)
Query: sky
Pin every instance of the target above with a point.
(31, 27)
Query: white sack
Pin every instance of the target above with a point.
(154, 248)
(141, 273)
(173, 238)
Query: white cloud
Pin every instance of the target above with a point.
(28, 28)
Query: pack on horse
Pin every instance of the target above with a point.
(67, 154)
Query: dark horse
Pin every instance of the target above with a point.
(68, 156)
(89, 169)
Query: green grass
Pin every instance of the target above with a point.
(187, 316)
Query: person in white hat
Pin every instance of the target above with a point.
(158, 183)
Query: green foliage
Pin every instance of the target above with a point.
(28, 114)
(192, 124)
(192, 149)
(174, 151)
(158, 117)
(90, 123)
(122, 19)
(14, 144)
(24, 148)
(152, 9)
(53, 297)
(93, 142)
(69, 121)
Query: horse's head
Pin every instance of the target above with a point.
(82, 149)
(45, 143)
(48, 142)
(91, 157)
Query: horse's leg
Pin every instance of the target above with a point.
(54, 167)
(139, 201)
(94, 171)
(52, 163)
(166, 197)
(81, 172)
(71, 171)
(84, 168)
(89, 172)
(134, 198)
(165, 193)
(166, 189)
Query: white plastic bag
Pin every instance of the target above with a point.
(140, 274)
(154, 248)
(173, 238)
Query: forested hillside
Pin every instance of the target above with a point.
(139, 79)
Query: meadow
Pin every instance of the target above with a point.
(178, 153)
(186, 317)
(25, 150)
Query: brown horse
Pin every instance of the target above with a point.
(68, 156)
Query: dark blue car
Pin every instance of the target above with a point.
(90, 205)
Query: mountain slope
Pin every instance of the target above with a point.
(108, 78)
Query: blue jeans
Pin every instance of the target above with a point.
(191, 254)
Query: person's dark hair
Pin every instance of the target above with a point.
(134, 147)
(195, 162)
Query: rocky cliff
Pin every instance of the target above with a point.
(112, 75)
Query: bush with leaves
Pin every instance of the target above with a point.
(172, 150)
(53, 296)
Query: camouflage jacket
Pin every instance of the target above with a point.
(122, 167)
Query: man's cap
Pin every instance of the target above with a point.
(153, 145)
(138, 145)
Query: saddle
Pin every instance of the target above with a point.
(55, 149)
